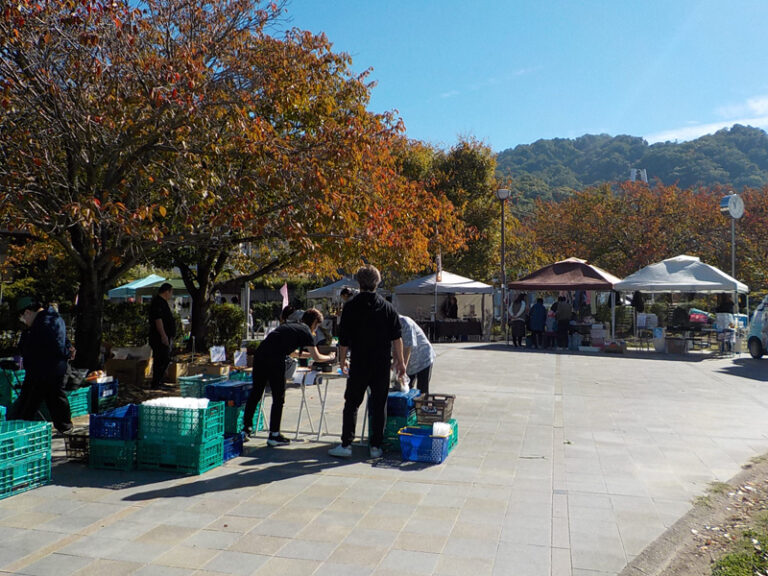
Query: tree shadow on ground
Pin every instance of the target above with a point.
(629, 354)
(747, 367)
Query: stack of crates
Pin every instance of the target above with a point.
(113, 438)
(418, 442)
(234, 394)
(194, 386)
(400, 413)
(185, 440)
(104, 395)
(25, 456)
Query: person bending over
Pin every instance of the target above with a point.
(269, 367)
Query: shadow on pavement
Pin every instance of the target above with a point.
(754, 369)
(258, 465)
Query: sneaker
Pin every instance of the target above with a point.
(376, 452)
(278, 440)
(248, 431)
(341, 451)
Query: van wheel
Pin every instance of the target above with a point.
(756, 348)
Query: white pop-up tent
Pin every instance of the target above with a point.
(332, 290)
(418, 298)
(680, 274)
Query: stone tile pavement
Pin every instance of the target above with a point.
(567, 464)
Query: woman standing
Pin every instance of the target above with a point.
(518, 313)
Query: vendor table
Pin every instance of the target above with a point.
(305, 378)
(451, 329)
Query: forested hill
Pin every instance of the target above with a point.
(735, 157)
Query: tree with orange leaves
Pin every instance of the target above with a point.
(135, 130)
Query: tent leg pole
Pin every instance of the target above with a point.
(613, 315)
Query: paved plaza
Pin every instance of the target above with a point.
(567, 464)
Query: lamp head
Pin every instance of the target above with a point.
(503, 193)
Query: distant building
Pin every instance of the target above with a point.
(636, 174)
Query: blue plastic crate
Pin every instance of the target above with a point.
(103, 395)
(117, 424)
(233, 446)
(231, 392)
(399, 404)
(419, 445)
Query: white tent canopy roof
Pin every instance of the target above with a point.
(332, 290)
(449, 284)
(680, 274)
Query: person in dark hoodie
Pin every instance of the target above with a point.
(370, 330)
(45, 351)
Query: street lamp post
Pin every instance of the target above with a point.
(502, 194)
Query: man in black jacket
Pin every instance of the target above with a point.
(45, 351)
(162, 331)
(370, 330)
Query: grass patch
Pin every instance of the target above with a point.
(748, 558)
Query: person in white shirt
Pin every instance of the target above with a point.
(418, 354)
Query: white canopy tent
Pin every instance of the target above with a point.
(680, 274)
(421, 297)
(332, 290)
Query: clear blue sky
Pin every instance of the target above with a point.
(510, 72)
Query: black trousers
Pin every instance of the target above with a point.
(34, 392)
(274, 374)
(377, 379)
(420, 380)
(161, 358)
(562, 333)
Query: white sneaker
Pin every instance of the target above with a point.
(341, 451)
(376, 452)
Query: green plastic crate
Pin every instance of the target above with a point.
(22, 474)
(10, 384)
(22, 439)
(112, 454)
(3, 412)
(181, 425)
(454, 432)
(79, 403)
(182, 458)
(233, 419)
(194, 386)
(240, 376)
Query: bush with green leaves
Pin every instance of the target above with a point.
(226, 326)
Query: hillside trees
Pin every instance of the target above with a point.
(183, 129)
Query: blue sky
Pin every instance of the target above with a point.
(510, 72)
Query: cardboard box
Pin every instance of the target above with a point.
(129, 372)
(210, 369)
(176, 370)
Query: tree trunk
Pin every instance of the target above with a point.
(89, 313)
(199, 315)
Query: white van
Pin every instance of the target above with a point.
(758, 330)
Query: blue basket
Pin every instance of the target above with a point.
(233, 446)
(103, 395)
(399, 404)
(418, 445)
(232, 393)
(117, 424)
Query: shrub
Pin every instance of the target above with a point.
(226, 326)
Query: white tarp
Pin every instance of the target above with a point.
(680, 274)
